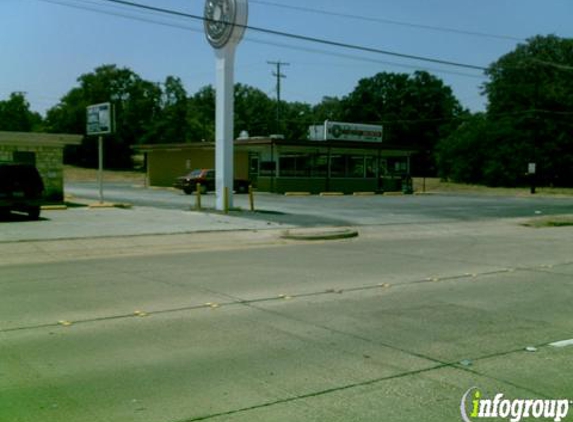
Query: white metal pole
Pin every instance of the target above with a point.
(100, 168)
(224, 127)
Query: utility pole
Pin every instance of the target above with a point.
(279, 75)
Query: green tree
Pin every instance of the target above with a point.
(462, 156)
(297, 117)
(530, 94)
(16, 116)
(254, 111)
(169, 118)
(416, 111)
(330, 108)
(137, 106)
(201, 115)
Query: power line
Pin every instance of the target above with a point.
(122, 15)
(284, 34)
(363, 59)
(459, 118)
(259, 41)
(388, 21)
(306, 38)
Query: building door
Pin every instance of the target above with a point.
(254, 167)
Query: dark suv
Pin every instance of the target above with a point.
(21, 189)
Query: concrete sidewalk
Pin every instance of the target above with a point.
(81, 223)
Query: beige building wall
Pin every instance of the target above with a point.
(164, 166)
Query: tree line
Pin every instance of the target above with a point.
(528, 117)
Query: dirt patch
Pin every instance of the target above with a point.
(79, 174)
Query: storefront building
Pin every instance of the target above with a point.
(280, 166)
(275, 165)
(337, 157)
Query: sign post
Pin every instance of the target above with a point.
(225, 23)
(99, 122)
(532, 170)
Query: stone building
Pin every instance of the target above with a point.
(43, 150)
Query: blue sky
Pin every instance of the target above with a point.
(46, 46)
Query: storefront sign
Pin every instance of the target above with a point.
(338, 131)
(99, 119)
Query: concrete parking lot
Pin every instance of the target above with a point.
(164, 211)
(120, 322)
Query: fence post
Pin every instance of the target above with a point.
(251, 198)
(198, 196)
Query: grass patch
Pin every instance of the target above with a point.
(435, 185)
(553, 221)
(66, 203)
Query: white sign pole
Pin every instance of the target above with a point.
(99, 122)
(225, 22)
(224, 127)
(100, 167)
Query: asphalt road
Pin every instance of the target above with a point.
(395, 325)
(346, 210)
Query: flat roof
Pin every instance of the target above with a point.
(174, 147)
(265, 141)
(39, 139)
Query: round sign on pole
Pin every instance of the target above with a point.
(225, 21)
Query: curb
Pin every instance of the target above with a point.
(54, 207)
(109, 205)
(297, 193)
(364, 194)
(331, 194)
(324, 234)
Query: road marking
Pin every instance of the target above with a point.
(563, 343)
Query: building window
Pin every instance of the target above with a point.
(317, 165)
(338, 166)
(356, 167)
(320, 166)
(370, 167)
(268, 168)
(295, 165)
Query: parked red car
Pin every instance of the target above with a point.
(206, 179)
